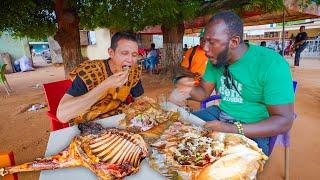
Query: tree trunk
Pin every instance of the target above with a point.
(68, 36)
(172, 44)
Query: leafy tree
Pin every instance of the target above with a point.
(40, 18)
(63, 18)
(135, 15)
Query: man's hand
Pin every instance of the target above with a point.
(185, 85)
(179, 96)
(185, 82)
(70, 107)
(116, 80)
(219, 126)
(182, 91)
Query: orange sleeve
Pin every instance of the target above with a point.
(185, 61)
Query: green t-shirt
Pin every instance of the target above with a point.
(261, 76)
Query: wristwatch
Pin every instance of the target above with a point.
(176, 79)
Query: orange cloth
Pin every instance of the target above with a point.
(7, 159)
(199, 60)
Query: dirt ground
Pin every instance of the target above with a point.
(26, 133)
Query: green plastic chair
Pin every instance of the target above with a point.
(3, 79)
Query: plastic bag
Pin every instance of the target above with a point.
(36, 106)
(16, 65)
(25, 64)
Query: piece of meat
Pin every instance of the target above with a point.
(112, 153)
(65, 158)
(90, 128)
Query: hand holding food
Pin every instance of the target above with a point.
(116, 80)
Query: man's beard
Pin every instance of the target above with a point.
(222, 58)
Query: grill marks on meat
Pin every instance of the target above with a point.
(112, 153)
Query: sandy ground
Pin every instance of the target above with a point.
(26, 133)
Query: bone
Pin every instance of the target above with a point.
(52, 162)
(134, 160)
(110, 146)
(3, 172)
(130, 155)
(102, 141)
(106, 148)
(121, 151)
(131, 158)
(127, 151)
(101, 138)
(113, 150)
(103, 147)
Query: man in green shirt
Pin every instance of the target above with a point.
(254, 82)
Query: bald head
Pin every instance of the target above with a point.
(217, 29)
(232, 22)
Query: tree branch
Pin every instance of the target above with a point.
(225, 4)
(59, 9)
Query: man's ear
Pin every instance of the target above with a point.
(111, 52)
(234, 42)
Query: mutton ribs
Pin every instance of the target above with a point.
(110, 154)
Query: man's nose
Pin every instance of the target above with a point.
(132, 58)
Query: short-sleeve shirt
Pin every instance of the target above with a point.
(79, 88)
(261, 76)
(199, 60)
(302, 36)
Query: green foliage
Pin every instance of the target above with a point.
(305, 3)
(316, 1)
(32, 18)
(36, 18)
(135, 15)
(118, 14)
(171, 13)
(263, 5)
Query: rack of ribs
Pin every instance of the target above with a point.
(110, 153)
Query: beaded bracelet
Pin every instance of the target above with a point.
(239, 127)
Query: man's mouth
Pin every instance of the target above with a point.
(125, 67)
(212, 59)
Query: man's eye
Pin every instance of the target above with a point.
(209, 41)
(135, 54)
(125, 53)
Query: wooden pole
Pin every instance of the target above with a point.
(283, 33)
